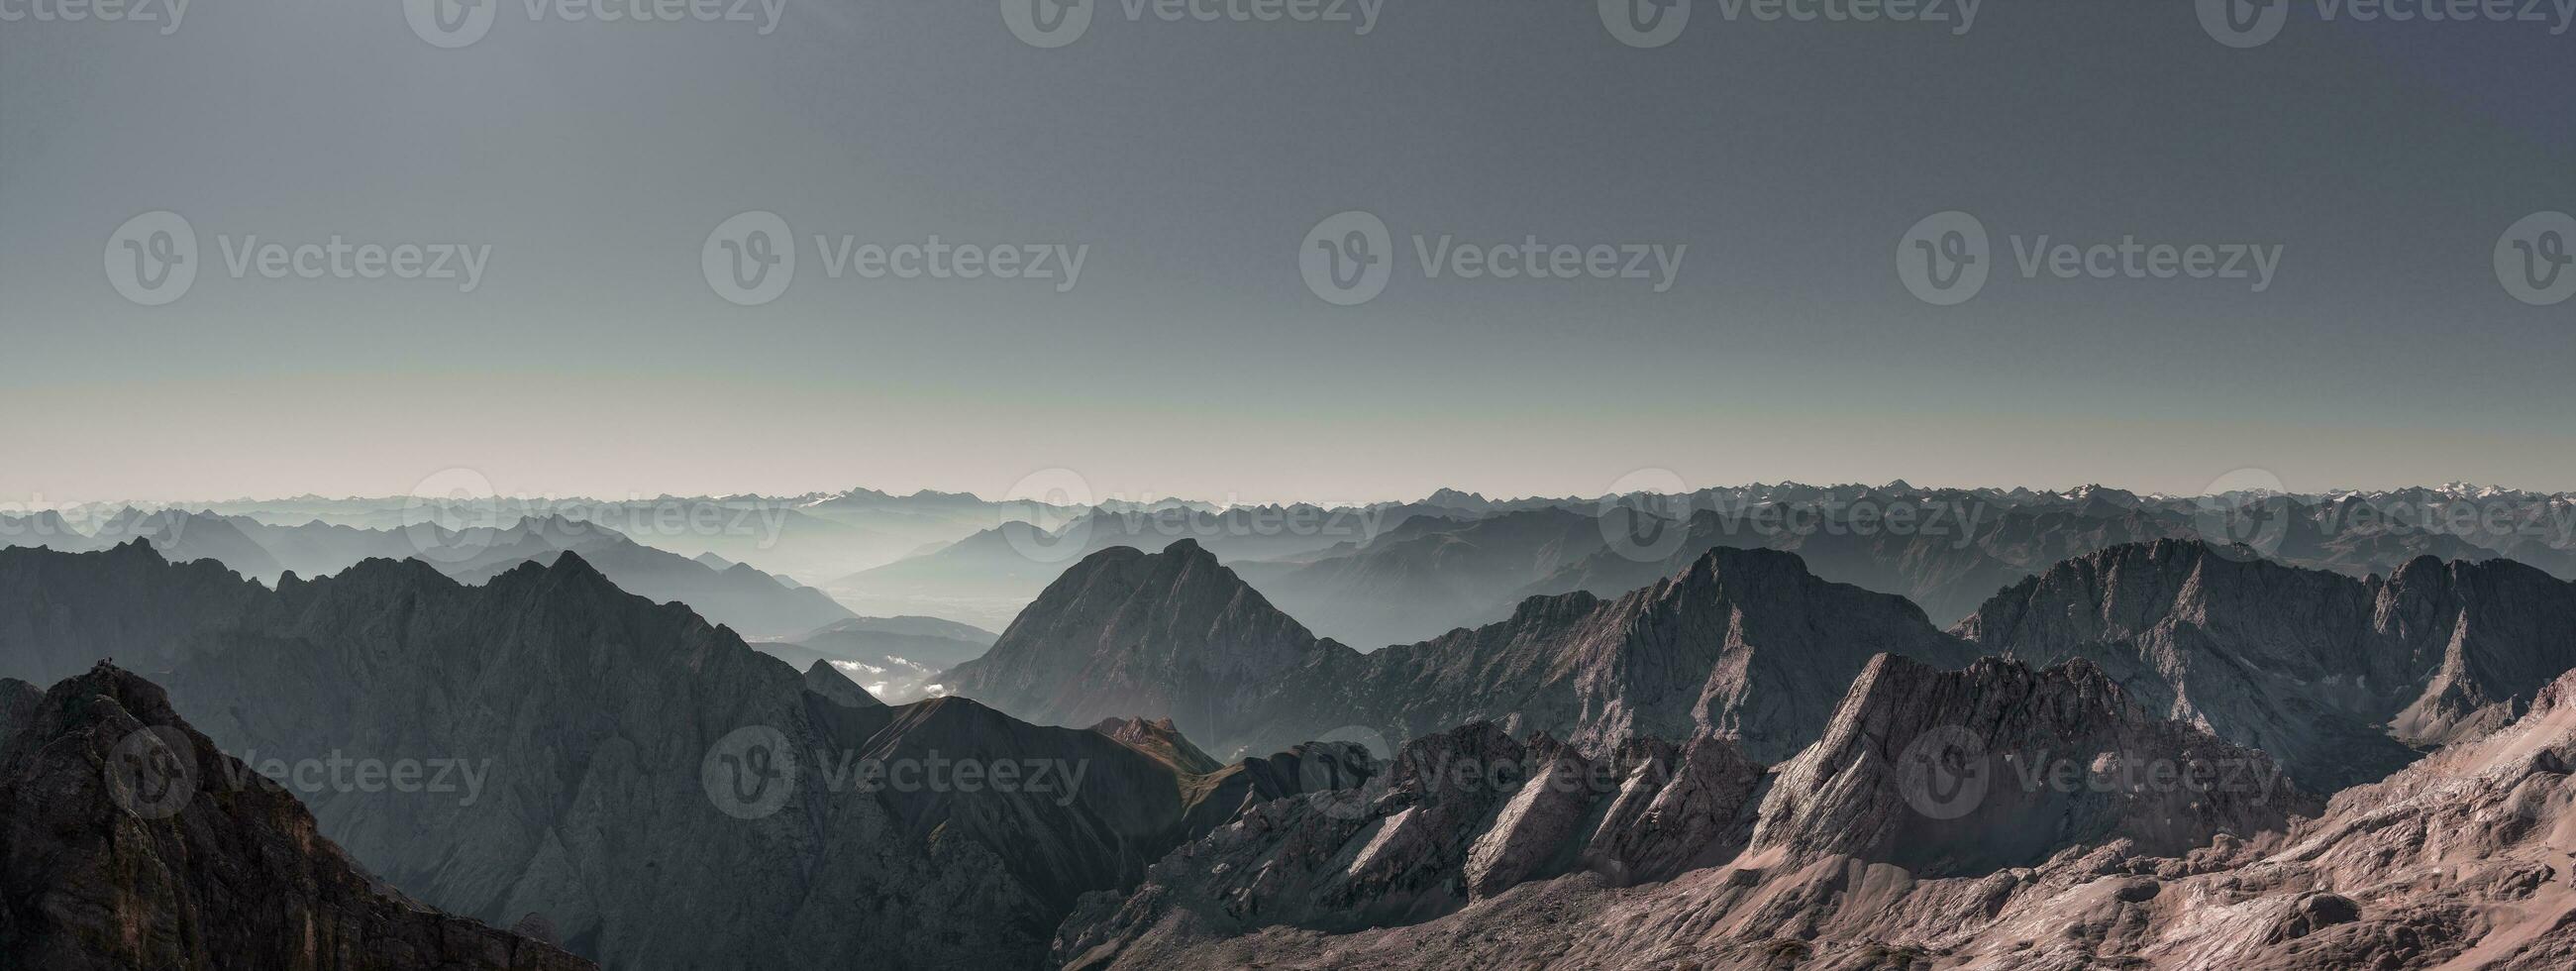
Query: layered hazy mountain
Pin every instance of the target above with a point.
(755, 603)
(603, 762)
(1727, 736)
(898, 659)
(1744, 641)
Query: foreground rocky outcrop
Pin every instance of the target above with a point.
(605, 763)
(1936, 802)
(1457, 817)
(1742, 642)
(2343, 680)
(131, 842)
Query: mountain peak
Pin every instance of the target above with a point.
(828, 680)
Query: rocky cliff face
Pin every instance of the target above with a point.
(1932, 798)
(2461, 860)
(549, 745)
(2344, 680)
(2002, 765)
(1743, 642)
(1458, 817)
(133, 843)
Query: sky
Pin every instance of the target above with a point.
(1777, 168)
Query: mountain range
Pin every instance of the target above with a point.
(2344, 742)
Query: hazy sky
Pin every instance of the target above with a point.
(1192, 158)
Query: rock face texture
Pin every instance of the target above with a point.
(130, 845)
(605, 763)
(1162, 635)
(1854, 855)
(2001, 765)
(2343, 680)
(1743, 642)
(1458, 817)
